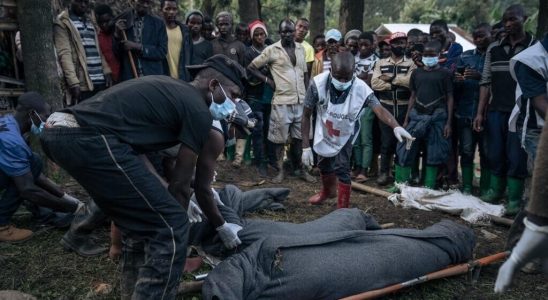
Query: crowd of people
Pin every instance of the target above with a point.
(140, 89)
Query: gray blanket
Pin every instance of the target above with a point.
(330, 258)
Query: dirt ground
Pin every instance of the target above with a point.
(42, 268)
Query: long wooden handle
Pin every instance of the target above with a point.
(447, 272)
(130, 55)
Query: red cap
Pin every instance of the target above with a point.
(397, 35)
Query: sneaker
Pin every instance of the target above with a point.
(12, 234)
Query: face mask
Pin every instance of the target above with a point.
(36, 129)
(430, 61)
(398, 51)
(223, 110)
(341, 86)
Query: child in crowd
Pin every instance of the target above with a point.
(241, 122)
(363, 148)
(428, 116)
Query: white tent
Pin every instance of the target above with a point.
(387, 29)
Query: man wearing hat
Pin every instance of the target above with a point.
(391, 82)
(101, 143)
(322, 60)
(226, 43)
(21, 169)
(202, 48)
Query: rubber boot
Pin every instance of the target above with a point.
(79, 238)
(12, 234)
(247, 152)
(239, 153)
(402, 176)
(230, 152)
(279, 163)
(374, 168)
(515, 194)
(485, 180)
(496, 190)
(430, 177)
(384, 172)
(329, 189)
(467, 179)
(343, 200)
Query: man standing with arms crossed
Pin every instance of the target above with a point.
(288, 68)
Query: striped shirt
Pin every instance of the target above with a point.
(93, 58)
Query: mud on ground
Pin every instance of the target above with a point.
(42, 268)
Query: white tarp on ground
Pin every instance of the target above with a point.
(470, 208)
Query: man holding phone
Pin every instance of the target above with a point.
(467, 77)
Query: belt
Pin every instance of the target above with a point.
(60, 119)
(395, 95)
(394, 102)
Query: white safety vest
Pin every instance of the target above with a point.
(335, 123)
(536, 58)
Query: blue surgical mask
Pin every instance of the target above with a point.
(430, 61)
(223, 110)
(341, 86)
(36, 129)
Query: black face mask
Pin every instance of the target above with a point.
(398, 51)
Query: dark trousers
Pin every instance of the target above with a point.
(260, 143)
(125, 190)
(388, 140)
(338, 164)
(506, 156)
(10, 200)
(468, 140)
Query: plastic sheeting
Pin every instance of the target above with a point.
(470, 208)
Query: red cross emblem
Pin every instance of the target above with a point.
(330, 130)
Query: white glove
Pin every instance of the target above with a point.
(228, 232)
(533, 244)
(194, 211)
(401, 134)
(307, 157)
(216, 197)
(251, 123)
(69, 198)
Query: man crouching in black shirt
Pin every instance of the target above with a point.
(101, 143)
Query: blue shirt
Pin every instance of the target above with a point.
(450, 57)
(467, 92)
(15, 154)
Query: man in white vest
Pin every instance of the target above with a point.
(339, 99)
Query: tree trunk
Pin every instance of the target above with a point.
(542, 26)
(351, 15)
(35, 22)
(317, 18)
(248, 10)
(208, 8)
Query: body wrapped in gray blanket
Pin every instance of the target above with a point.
(340, 254)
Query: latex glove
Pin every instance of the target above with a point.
(216, 197)
(533, 244)
(307, 157)
(401, 134)
(251, 123)
(70, 198)
(194, 211)
(229, 234)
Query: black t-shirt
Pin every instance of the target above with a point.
(150, 113)
(201, 51)
(431, 86)
(254, 87)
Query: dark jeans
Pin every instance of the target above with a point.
(88, 94)
(10, 200)
(468, 140)
(506, 156)
(338, 164)
(258, 136)
(125, 190)
(388, 140)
